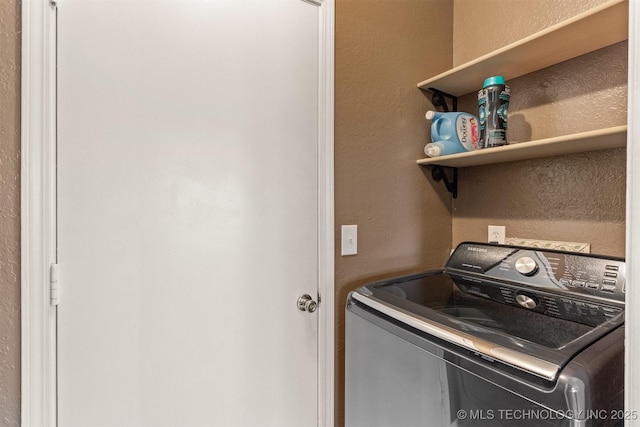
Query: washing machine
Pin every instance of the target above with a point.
(501, 336)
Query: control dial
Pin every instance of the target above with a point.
(526, 301)
(526, 266)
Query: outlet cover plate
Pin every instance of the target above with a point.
(497, 234)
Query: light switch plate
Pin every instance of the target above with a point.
(349, 240)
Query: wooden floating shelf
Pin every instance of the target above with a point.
(594, 29)
(600, 139)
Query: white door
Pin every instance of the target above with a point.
(187, 212)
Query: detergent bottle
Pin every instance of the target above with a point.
(452, 133)
(493, 103)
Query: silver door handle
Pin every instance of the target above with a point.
(306, 303)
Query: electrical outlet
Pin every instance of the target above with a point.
(497, 234)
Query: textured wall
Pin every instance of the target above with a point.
(9, 212)
(576, 198)
(383, 49)
(481, 26)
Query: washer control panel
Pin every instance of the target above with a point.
(585, 311)
(585, 274)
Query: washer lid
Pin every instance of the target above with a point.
(463, 312)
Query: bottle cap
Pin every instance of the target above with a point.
(432, 150)
(495, 80)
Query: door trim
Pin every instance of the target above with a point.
(326, 250)
(38, 214)
(632, 319)
(38, 220)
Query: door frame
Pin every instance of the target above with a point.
(38, 214)
(632, 242)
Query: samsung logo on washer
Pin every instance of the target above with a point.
(472, 248)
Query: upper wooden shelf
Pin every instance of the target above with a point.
(600, 139)
(596, 28)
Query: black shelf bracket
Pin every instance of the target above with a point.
(438, 174)
(438, 100)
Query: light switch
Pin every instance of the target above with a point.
(349, 240)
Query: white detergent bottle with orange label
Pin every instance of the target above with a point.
(452, 133)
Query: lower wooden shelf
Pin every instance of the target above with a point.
(601, 139)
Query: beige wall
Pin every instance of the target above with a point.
(383, 49)
(477, 31)
(573, 198)
(9, 213)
